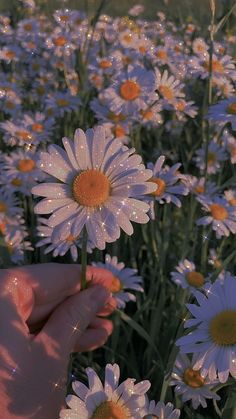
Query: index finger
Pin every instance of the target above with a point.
(54, 281)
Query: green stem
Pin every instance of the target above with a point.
(84, 259)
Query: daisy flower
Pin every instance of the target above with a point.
(123, 279)
(20, 170)
(98, 181)
(224, 112)
(230, 196)
(61, 102)
(161, 410)
(9, 205)
(132, 88)
(187, 276)
(216, 154)
(97, 401)
(167, 189)
(213, 341)
(199, 46)
(230, 144)
(59, 247)
(199, 186)
(16, 243)
(190, 384)
(168, 87)
(222, 216)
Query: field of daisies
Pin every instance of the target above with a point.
(118, 150)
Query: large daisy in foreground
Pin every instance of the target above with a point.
(98, 181)
(111, 401)
(214, 339)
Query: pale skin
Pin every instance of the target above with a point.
(43, 318)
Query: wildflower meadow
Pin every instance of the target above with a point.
(118, 151)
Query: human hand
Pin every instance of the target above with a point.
(43, 317)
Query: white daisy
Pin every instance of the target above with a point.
(98, 401)
(215, 155)
(161, 410)
(131, 90)
(168, 87)
(123, 279)
(59, 247)
(187, 276)
(190, 384)
(99, 182)
(224, 112)
(167, 183)
(214, 338)
(222, 215)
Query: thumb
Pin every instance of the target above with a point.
(69, 320)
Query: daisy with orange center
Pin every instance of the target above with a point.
(60, 103)
(123, 279)
(222, 215)
(108, 401)
(224, 112)
(187, 276)
(161, 410)
(99, 183)
(130, 91)
(213, 340)
(168, 185)
(20, 169)
(59, 247)
(216, 155)
(168, 87)
(189, 383)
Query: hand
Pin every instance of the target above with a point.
(43, 318)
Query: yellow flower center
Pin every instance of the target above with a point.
(115, 117)
(70, 238)
(211, 158)
(142, 49)
(161, 186)
(217, 66)
(223, 328)
(64, 18)
(16, 182)
(217, 264)
(110, 410)
(193, 378)
(59, 41)
(233, 149)
(3, 228)
(118, 131)
(199, 189)
(31, 45)
(37, 127)
(130, 90)
(3, 207)
(26, 165)
(91, 188)
(231, 108)
(232, 202)
(166, 92)
(115, 285)
(24, 135)
(148, 115)
(104, 64)
(127, 38)
(40, 90)
(62, 102)
(161, 54)
(10, 55)
(195, 279)
(10, 105)
(28, 27)
(180, 106)
(218, 212)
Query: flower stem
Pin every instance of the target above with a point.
(84, 259)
